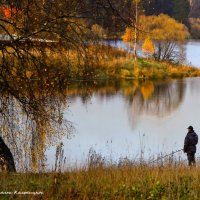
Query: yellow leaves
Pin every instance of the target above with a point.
(124, 73)
(147, 90)
(148, 46)
(163, 27)
(98, 30)
(137, 1)
(14, 71)
(128, 35)
(29, 74)
(166, 33)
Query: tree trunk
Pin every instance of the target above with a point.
(135, 31)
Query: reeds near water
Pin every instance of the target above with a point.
(168, 178)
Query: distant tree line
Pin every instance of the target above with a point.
(113, 15)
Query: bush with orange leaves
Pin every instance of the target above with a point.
(165, 32)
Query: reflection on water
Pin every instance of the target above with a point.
(142, 97)
(109, 116)
(159, 99)
(118, 119)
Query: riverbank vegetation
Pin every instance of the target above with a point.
(129, 181)
(45, 47)
(106, 62)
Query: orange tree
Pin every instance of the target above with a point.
(148, 47)
(166, 33)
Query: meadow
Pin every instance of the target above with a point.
(124, 182)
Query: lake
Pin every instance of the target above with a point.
(193, 53)
(131, 119)
(127, 119)
(114, 119)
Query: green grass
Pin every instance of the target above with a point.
(151, 69)
(118, 64)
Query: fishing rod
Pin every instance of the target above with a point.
(172, 153)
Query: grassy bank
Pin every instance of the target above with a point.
(125, 182)
(151, 69)
(104, 62)
(118, 64)
(94, 62)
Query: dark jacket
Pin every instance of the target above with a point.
(190, 142)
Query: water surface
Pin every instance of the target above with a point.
(121, 119)
(193, 53)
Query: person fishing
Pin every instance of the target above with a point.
(190, 143)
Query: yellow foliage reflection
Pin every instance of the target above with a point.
(147, 90)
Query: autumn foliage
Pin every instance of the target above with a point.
(147, 90)
(8, 12)
(161, 34)
(163, 28)
(128, 35)
(148, 47)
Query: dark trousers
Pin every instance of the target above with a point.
(191, 158)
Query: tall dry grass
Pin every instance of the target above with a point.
(169, 179)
